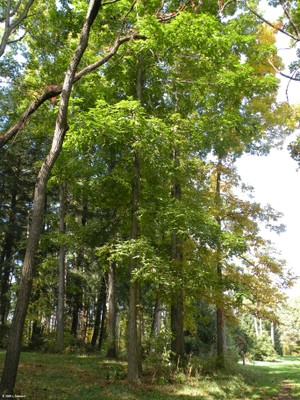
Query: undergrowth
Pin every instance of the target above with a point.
(91, 377)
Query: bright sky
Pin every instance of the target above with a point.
(275, 178)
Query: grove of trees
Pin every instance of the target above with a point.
(124, 226)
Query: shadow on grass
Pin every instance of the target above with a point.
(269, 377)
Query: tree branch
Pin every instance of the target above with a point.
(290, 77)
(288, 15)
(225, 5)
(10, 27)
(18, 39)
(110, 2)
(23, 14)
(296, 38)
(55, 90)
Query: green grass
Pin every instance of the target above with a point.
(268, 378)
(73, 377)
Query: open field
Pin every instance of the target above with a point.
(74, 377)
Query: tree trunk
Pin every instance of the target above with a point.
(221, 338)
(134, 361)
(260, 326)
(61, 273)
(156, 320)
(255, 326)
(272, 333)
(77, 299)
(177, 306)
(220, 312)
(98, 315)
(134, 343)
(103, 319)
(112, 345)
(78, 292)
(6, 260)
(15, 338)
(100, 307)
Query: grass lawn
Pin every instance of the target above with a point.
(73, 377)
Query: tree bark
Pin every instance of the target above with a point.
(134, 352)
(6, 259)
(61, 272)
(98, 315)
(220, 312)
(11, 25)
(255, 326)
(112, 345)
(156, 320)
(15, 338)
(177, 305)
(272, 333)
(103, 318)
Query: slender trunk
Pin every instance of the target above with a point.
(156, 320)
(260, 326)
(61, 272)
(134, 362)
(100, 305)
(77, 300)
(98, 314)
(177, 305)
(97, 322)
(15, 338)
(220, 312)
(112, 345)
(134, 343)
(103, 320)
(255, 326)
(84, 321)
(6, 260)
(78, 292)
(220, 363)
(272, 333)
(75, 319)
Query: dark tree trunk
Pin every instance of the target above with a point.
(97, 322)
(156, 319)
(75, 320)
(177, 305)
(112, 345)
(6, 260)
(221, 339)
(103, 318)
(61, 272)
(15, 337)
(99, 309)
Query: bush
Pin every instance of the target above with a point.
(263, 349)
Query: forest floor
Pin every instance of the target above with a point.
(74, 377)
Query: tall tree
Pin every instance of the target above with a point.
(15, 337)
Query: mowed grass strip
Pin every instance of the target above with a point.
(74, 377)
(272, 379)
